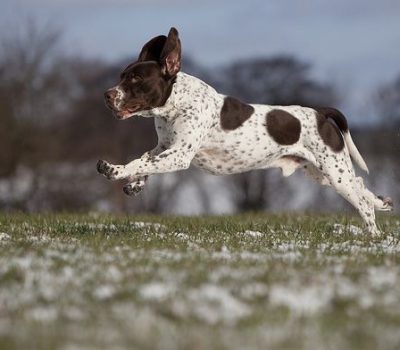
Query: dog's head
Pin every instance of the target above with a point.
(147, 83)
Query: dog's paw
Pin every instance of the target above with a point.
(133, 189)
(111, 172)
(102, 166)
(387, 203)
(136, 186)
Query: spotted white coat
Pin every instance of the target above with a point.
(189, 132)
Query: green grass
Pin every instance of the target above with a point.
(241, 282)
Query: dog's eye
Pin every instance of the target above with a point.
(136, 78)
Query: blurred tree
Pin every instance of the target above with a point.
(31, 93)
(280, 80)
(387, 103)
(31, 75)
(32, 90)
(382, 144)
(10, 137)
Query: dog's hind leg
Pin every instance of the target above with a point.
(338, 170)
(312, 171)
(380, 203)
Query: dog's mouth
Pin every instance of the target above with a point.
(122, 113)
(126, 113)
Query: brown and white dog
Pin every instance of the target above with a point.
(222, 135)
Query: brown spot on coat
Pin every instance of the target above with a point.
(283, 127)
(234, 113)
(330, 133)
(335, 115)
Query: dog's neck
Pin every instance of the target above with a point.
(179, 97)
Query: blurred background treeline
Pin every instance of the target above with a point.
(54, 127)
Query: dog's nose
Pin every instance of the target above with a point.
(110, 94)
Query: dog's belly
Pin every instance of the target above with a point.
(222, 162)
(218, 161)
(225, 161)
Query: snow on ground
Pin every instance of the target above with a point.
(141, 224)
(213, 304)
(253, 234)
(305, 299)
(157, 291)
(4, 236)
(63, 278)
(211, 301)
(354, 230)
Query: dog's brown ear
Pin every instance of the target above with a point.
(171, 54)
(151, 51)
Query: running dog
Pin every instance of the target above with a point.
(222, 135)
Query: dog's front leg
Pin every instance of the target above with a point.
(172, 159)
(116, 172)
(136, 184)
(186, 135)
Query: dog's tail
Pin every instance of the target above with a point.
(341, 122)
(355, 154)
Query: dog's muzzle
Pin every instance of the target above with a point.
(113, 98)
(109, 97)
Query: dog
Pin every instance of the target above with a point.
(223, 135)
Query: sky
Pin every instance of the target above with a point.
(354, 43)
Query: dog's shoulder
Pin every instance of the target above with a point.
(190, 89)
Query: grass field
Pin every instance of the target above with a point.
(242, 282)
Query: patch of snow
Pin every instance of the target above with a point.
(380, 277)
(104, 292)
(251, 256)
(254, 234)
(4, 236)
(38, 238)
(156, 291)
(193, 246)
(181, 235)
(222, 273)
(96, 226)
(224, 253)
(288, 256)
(305, 300)
(214, 304)
(113, 274)
(390, 244)
(43, 314)
(289, 246)
(23, 262)
(254, 290)
(142, 224)
(354, 230)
